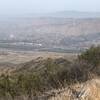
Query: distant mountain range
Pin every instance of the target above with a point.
(66, 14)
(75, 14)
(61, 14)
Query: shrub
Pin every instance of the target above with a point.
(91, 56)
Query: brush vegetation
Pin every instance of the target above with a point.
(32, 79)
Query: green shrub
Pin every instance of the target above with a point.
(91, 56)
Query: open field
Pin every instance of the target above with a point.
(21, 57)
(10, 60)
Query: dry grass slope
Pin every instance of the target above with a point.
(89, 90)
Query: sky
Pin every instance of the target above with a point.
(44, 6)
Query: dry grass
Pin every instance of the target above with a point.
(89, 90)
(10, 59)
(21, 57)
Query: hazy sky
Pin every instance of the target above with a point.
(41, 6)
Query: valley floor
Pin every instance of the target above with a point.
(22, 56)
